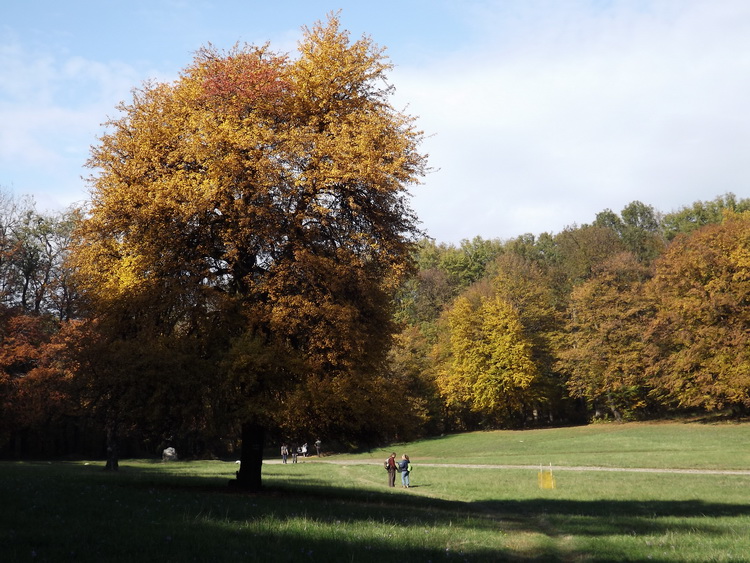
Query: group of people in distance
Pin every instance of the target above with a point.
(392, 466)
(287, 451)
(403, 466)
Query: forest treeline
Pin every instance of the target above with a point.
(636, 315)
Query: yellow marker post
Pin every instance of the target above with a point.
(546, 479)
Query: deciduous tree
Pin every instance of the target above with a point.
(529, 289)
(581, 249)
(491, 369)
(603, 352)
(701, 335)
(702, 213)
(639, 229)
(257, 208)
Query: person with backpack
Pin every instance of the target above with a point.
(390, 467)
(404, 466)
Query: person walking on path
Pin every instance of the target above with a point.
(284, 453)
(390, 465)
(318, 443)
(405, 467)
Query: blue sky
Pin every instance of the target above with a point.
(540, 113)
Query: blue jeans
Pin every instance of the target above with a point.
(405, 478)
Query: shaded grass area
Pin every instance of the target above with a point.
(322, 512)
(154, 512)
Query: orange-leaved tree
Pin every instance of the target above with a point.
(254, 214)
(700, 353)
(603, 349)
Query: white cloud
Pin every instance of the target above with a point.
(546, 113)
(51, 110)
(582, 113)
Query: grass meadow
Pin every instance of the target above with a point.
(338, 508)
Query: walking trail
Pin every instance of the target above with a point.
(536, 467)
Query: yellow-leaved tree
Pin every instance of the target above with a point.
(490, 369)
(253, 217)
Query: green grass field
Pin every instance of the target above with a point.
(321, 511)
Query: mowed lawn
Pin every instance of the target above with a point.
(338, 508)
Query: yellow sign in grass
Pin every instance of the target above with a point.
(546, 479)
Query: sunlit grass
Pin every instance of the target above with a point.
(650, 445)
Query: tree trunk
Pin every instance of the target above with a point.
(113, 456)
(613, 409)
(251, 457)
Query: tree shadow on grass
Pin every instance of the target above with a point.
(554, 518)
(147, 515)
(613, 517)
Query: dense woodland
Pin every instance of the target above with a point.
(635, 315)
(248, 270)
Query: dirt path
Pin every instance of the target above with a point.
(554, 467)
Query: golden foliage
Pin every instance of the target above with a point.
(604, 351)
(260, 196)
(491, 367)
(701, 335)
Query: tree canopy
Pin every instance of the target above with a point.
(254, 214)
(700, 355)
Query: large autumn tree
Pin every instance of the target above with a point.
(700, 337)
(603, 348)
(254, 215)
